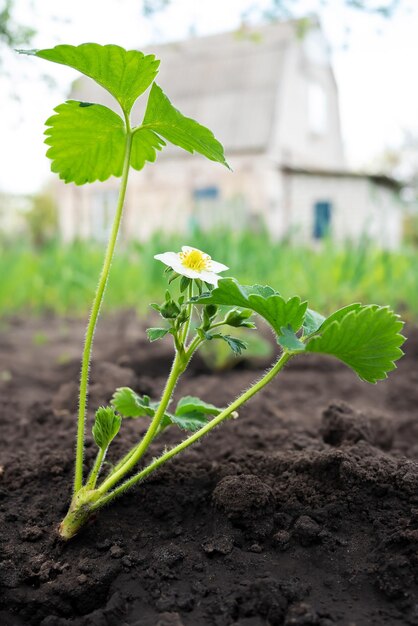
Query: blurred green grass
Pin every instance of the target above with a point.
(62, 279)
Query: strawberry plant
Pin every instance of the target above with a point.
(89, 142)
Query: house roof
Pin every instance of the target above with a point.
(378, 179)
(205, 78)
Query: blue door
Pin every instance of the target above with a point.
(322, 219)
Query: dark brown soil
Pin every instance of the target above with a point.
(303, 512)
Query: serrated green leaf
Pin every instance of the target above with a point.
(237, 345)
(87, 143)
(263, 300)
(238, 318)
(163, 118)
(366, 338)
(313, 320)
(145, 145)
(340, 314)
(126, 74)
(191, 413)
(106, 426)
(191, 404)
(217, 354)
(290, 341)
(157, 333)
(189, 421)
(130, 404)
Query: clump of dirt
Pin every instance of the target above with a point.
(343, 424)
(302, 512)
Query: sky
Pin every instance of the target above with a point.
(373, 60)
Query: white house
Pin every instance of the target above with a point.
(270, 97)
(12, 214)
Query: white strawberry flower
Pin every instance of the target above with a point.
(193, 263)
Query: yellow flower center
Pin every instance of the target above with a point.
(195, 260)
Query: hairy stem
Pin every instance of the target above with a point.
(225, 414)
(133, 457)
(95, 310)
(91, 483)
(180, 363)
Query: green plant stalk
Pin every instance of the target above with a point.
(133, 457)
(86, 500)
(225, 414)
(186, 329)
(92, 480)
(179, 365)
(98, 299)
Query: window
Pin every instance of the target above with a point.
(206, 201)
(317, 109)
(206, 193)
(322, 219)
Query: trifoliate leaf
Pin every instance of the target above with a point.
(106, 426)
(157, 333)
(87, 142)
(126, 74)
(163, 118)
(366, 338)
(313, 320)
(191, 413)
(290, 341)
(130, 404)
(191, 404)
(263, 300)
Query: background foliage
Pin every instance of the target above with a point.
(62, 279)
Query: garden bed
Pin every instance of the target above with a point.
(302, 512)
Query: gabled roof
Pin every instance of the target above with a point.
(228, 82)
(378, 179)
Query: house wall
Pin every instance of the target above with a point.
(165, 196)
(359, 208)
(295, 141)
(12, 210)
(273, 103)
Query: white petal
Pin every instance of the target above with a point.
(168, 258)
(186, 271)
(189, 249)
(209, 277)
(176, 263)
(218, 267)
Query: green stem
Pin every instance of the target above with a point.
(91, 327)
(192, 347)
(195, 437)
(91, 483)
(194, 344)
(133, 457)
(185, 333)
